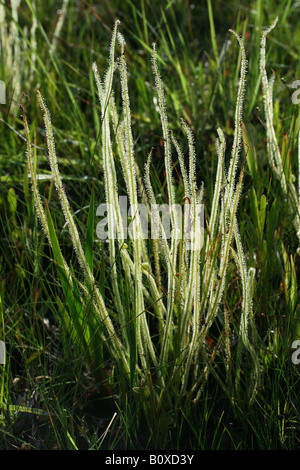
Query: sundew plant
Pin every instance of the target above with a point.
(19, 47)
(279, 161)
(168, 292)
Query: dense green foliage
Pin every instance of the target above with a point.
(60, 386)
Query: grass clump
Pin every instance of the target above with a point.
(171, 362)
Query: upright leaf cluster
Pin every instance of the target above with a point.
(178, 280)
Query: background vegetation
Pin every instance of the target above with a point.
(49, 396)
